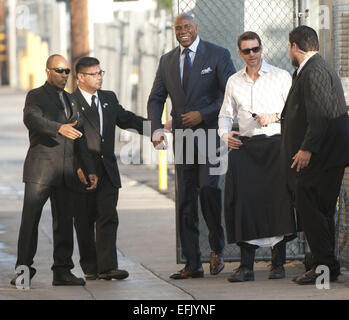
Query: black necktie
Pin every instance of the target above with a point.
(94, 110)
(186, 69)
(64, 104)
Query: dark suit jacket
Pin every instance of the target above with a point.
(315, 119)
(101, 148)
(210, 71)
(50, 156)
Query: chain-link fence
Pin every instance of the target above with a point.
(221, 22)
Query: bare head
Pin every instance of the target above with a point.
(57, 70)
(89, 74)
(250, 49)
(186, 29)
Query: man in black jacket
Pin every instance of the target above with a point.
(50, 114)
(101, 112)
(315, 147)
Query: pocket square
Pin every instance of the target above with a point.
(206, 71)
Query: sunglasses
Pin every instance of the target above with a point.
(94, 74)
(61, 70)
(248, 50)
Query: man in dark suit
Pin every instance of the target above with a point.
(194, 75)
(50, 115)
(315, 147)
(101, 112)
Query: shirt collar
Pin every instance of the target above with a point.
(301, 66)
(88, 96)
(265, 68)
(53, 88)
(193, 47)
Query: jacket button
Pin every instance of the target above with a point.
(102, 140)
(102, 156)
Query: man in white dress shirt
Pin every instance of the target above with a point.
(258, 209)
(95, 217)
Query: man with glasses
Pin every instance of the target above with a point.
(258, 208)
(96, 219)
(50, 114)
(194, 75)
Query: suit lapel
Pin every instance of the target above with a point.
(105, 110)
(72, 106)
(175, 72)
(296, 76)
(86, 110)
(200, 58)
(54, 97)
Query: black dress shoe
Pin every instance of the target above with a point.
(277, 272)
(67, 279)
(91, 276)
(216, 263)
(242, 274)
(186, 273)
(114, 274)
(32, 272)
(310, 277)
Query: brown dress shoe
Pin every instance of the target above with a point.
(185, 274)
(114, 274)
(216, 263)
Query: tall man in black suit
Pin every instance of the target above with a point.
(50, 115)
(194, 75)
(315, 147)
(101, 112)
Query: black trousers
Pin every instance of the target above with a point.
(316, 198)
(35, 197)
(96, 222)
(194, 180)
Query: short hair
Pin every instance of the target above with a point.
(305, 38)
(51, 58)
(248, 35)
(85, 62)
(185, 16)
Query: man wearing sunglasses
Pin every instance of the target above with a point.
(50, 114)
(258, 208)
(96, 218)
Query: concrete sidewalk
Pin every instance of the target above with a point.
(146, 242)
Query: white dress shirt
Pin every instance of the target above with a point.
(243, 97)
(193, 48)
(304, 62)
(88, 98)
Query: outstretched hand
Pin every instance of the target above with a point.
(69, 132)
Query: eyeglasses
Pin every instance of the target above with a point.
(248, 50)
(94, 74)
(60, 70)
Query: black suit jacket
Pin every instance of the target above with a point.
(50, 156)
(315, 119)
(101, 148)
(210, 71)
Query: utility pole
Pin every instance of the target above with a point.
(3, 47)
(79, 31)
